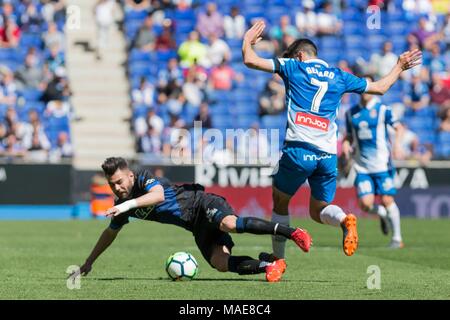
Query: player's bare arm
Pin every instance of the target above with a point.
(251, 59)
(154, 196)
(406, 61)
(105, 240)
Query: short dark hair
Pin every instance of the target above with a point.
(111, 165)
(298, 45)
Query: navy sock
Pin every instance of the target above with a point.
(261, 226)
(246, 265)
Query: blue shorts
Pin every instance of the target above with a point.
(375, 183)
(301, 161)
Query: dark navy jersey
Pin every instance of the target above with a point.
(178, 208)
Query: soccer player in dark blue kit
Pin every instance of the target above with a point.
(208, 216)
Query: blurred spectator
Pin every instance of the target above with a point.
(175, 142)
(222, 77)
(58, 88)
(9, 34)
(284, 27)
(234, 24)
(176, 102)
(210, 22)
(170, 78)
(165, 40)
(409, 148)
(54, 10)
(182, 4)
(425, 37)
(445, 32)
(137, 5)
(150, 142)
(146, 36)
(31, 19)
(306, 21)
(224, 156)
(204, 116)
(445, 123)
(104, 11)
(64, 148)
(327, 22)
(217, 51)
(381, 64)
(8, 88)
(437, 61)
(416, 95)
(53, 37)
(37, 144)
(271, 100)
(417, 7)
(192, 50)
(192, 89)
(55, 58)
(151, 120)
(57, 109)
(10, 119)
(3, 133)
(7, 12)
(439, 93)
(12, 147)
(343, 65)
(144, 95)
(30, 74)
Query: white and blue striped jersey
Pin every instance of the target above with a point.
(369, 128)
(313, 96)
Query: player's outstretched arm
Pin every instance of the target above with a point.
(103, 243)
(407, 60)
(251, 59)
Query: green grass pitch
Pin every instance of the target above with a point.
(34, 256)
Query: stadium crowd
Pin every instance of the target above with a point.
(35, 94)
(185, 64)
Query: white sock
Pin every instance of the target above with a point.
(279, 242)
(379, 210)
(394, 216)
(332, 215)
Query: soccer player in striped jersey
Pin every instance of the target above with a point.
(367, 136)
(313, 94)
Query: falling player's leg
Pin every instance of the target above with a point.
(323, 189)
(222, 260)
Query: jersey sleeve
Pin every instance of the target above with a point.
(119, 221)
(353, 83)
(146, 181)
(390, 118)
(283, 66)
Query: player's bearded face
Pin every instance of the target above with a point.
(121, 183)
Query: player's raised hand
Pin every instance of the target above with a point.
(410, 59)
(253, 35)
(112, 212)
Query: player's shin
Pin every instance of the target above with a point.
(332, 215)
(279, 242)
(378, 210)
(394, 215)
(246, 265)
(261, 226)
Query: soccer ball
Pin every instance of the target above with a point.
(181, 266)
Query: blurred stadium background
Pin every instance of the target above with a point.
(83, 80)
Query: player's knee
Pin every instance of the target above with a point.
(280, 202)
(228, 224)
(220, 262)
(366, 204)
(386, 201)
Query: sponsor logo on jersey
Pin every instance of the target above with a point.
(312, 121)
(210, 213)
(313, 157)
(149, 181)
(142, 213)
